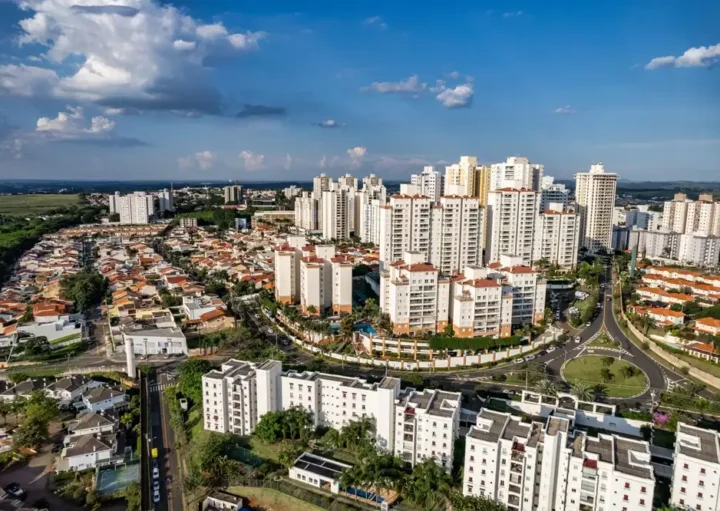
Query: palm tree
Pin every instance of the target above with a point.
(429, 485)
(647, 323)
(581, 391)
(547, 388)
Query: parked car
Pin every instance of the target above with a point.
(156, 496)
(530, 357)
(156, 486)
(587, 324)
(577, 339)
(519, 360)
(15, 490)
(156, 473)
(57, 447)
(551, 349)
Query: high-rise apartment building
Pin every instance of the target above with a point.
(337, 207)
(404, 226)
(661, 244)
(466, 178)
(687, 216)
(429, 183)
(165, 200)
(699, 250)
(348, 181)
(135, 208)
(557, 235)
(553, 193)
(527, 288)
(696, 469)
(233, 194)
(456, 234)
(480, 304)
(306, 212)
(516, 172)
(595, 199)
(511, 224)
(321, 183)
(114, 203)
(546, 466)
(415, 295)
(287, 269)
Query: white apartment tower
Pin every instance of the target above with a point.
(429, 182)
(516, 172)
(135, 208)
(595, 200)
(233, 194)
(321, 183)
(415, 295)
(687, 216)
(696, 469)
(557, 233)
(166, 200)
(511, 223)
(348, 181)
(306, 212)
(325, 280)
(336, 213)
(457, 234)
(404, 226)
(287, 269)
(427, 424)
(461, 178)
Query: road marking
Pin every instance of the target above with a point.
(157, 387)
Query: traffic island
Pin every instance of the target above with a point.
(618, 378)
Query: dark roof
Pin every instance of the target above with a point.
(101, 394)
(89, 443)
(70, 383)
(323, 467)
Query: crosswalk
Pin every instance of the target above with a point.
(158, 387)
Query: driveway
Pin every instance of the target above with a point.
(33, 478)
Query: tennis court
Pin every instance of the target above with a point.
(114, 479)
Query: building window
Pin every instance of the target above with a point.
(627, 486)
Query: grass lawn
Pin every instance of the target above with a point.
(35, 373)
(66, 338)
(34, 203)
(265, 498)
(698, 363)
(587, 369)
(267, 451)
(603, 341)
(194, 423)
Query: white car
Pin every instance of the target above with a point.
(577, 339)
(551, 349)
(519, 360)
(156, 473)
(530, 357)
(156, 496)
(156, 485)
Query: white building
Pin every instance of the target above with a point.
(165, 200)
(404, 226)
(415, 295)
(595, 200)
(696, 469)
(321, 183)
(287, 269)
(699, 249)
(461, 178)
(237, 396)
(337, 210)
(553, 193)
(687, 216)
(156, 341)
(292, 191)
(430, 183)
(427, 424)
(516, 172)
(135, 208)
(548, 466)
(325, 280)
(70, 389)
(456, 234)
(103, 398)
(306, 212)
(511, 224)
(661, 244)
(90, 451)
(557, 234)
(232, 194)
(480, 304)
(637, 218)
(527, 288)
(620, 237)
(348, 181)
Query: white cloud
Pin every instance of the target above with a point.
(410, 86)
(252, 160)
(323, 162)
(453, 75)
(512, 14)
(70, 124)
(13, 148)
(704, 56)
(567, 109)
(204, 160)
(287, 164)
(148, 56)
(460, 96)
(356, 155)
(375, 21)
(330, 123)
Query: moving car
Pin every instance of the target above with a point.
(156, 496)
(588, 324)
(15, 490)
(156, 486)
(519, 360)
(530, 357)
(577, 339)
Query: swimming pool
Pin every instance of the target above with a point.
(364, 495)
(365, 328)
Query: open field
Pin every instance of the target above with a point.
(267, 499)
(588, 369)
(34, 203)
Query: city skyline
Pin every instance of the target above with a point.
(208, 97)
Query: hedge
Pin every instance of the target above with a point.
(439, 342)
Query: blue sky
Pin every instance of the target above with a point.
(140, 89)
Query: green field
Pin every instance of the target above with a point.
(35, 203)
(587, 370)
(265, 498)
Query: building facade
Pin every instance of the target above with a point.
(595, 199)
(233, 194)
(511, 224)
(430, 183)
(557, 236)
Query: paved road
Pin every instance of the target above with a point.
(164, 440)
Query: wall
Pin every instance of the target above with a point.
(609, 422)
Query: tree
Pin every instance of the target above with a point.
(461, 502)
(347, 323)
(359, 436)
(40, 406)
(293, 423)
(547, 388)
(608, 361)
(449, 331)
(647, 323)
(28, 315)
(190, 378)
(132, 496)
(606, 374)
(428, 485)
(581, 391)
(31, 433)
(312, 309)
(86, 289)
(37, 346)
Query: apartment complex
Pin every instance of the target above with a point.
(306, 212)
(430, 183)
(511, 216)
(233, 194)
(595, 199)
(548, 465)
(687, 216)
(694, 249)
(553, 193)
(415, 295)
(557, 236)
(516, 172)
(696, 469)
(481, 305)
(133, 208)
(467, 178)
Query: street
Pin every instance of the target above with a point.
(163, 439)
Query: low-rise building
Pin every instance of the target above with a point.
(90, 451)
(25, 389)
(104, 398)
(709, 326)
(219, 500)
(155, 341)
(70, 389)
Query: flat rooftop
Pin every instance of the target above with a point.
(323, 467)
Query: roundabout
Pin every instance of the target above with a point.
(618, 378)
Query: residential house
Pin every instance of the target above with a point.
(104, 398)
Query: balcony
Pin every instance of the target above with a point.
(514, 500)
(514, 489)
(589, 487)
(516, 467)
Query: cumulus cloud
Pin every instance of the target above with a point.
(703, 56)
(375, 21)
(71, 126)
(453, 75)
(512, 14)
(329, 123)
(460, 96)
(253, 161)
(410, 86)
(261, 111)
(162, 66)
(203, 160)
(567, 109)
(356, 154)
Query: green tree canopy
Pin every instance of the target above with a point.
(190, 378)
(86, 289)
